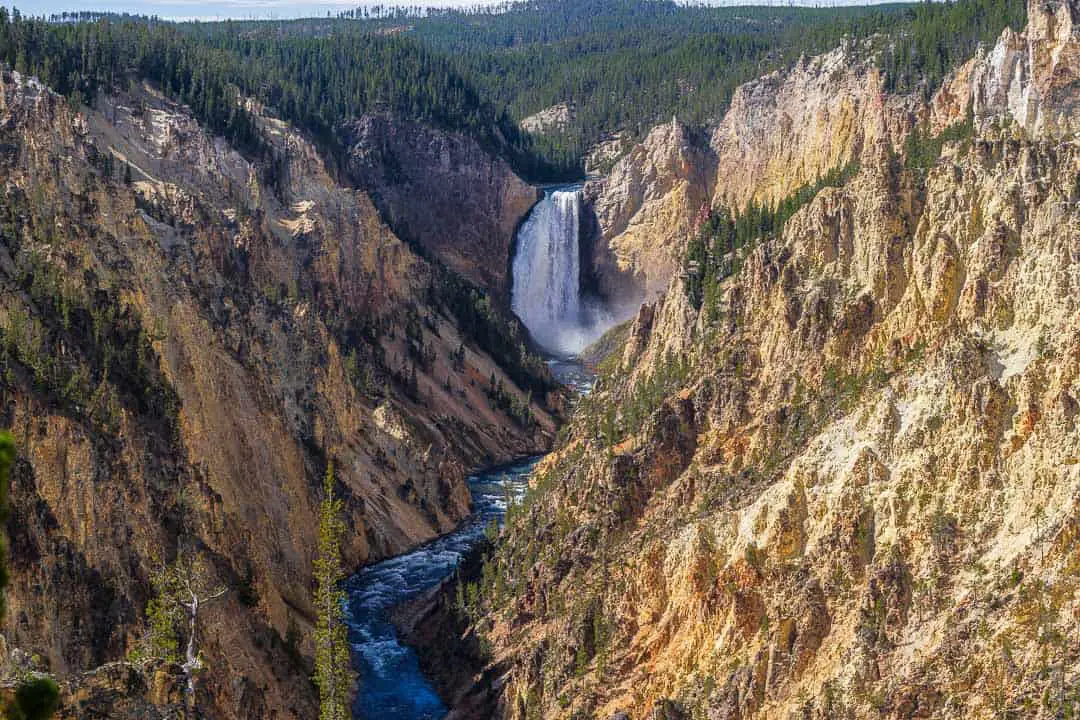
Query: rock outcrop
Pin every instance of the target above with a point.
(787, 129)
(125, 691)
(189, 337)
(441, 191)
(556, 117)
(1031, 78)
(645, 207)
(601, 158)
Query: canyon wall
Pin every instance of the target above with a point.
(789, 128)
(781, 132)
(644, 209)
(847, 486)
(1027, 80)
(443, 192)
(189, 337)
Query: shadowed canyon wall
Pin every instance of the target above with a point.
(441, 191)
(188, 337)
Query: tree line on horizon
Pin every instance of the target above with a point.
(623, 65)
(626, 65)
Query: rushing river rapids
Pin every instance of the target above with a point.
(392, 687)
(391, 684)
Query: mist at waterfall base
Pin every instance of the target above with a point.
(546, 295)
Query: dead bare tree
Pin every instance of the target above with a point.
(187, 585)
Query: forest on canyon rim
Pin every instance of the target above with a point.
(259, 361)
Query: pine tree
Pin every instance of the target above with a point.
(332, 670)
(7, 459)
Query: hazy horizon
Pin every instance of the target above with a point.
(291, 9)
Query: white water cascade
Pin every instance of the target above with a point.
(547, 277)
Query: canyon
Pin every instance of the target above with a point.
(190, 337)
(829, 466)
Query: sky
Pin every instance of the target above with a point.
(215, 9)
(270, 9)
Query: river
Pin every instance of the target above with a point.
(392, 687)
(391, 684)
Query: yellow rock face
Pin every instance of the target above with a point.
(785, 131)
(861, 497)
(647, 206)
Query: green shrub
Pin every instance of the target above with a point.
(35, 699)
(922, 150)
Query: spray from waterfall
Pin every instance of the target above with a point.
(547, 277)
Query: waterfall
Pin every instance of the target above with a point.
(547, 275)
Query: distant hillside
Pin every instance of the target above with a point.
(623, 64)
(315, 82)
(629, 64)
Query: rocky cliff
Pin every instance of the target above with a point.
(189, 336)
(1028, 79)
(443, 192)
(644, 208)
(789, 128)
(846, 485)
(781, 132)
(555, 118)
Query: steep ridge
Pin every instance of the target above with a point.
(782, 131)
(1029, 78)
(849, 487)
(442, 191)
(788, 129)
(188, 337)
(644, 209)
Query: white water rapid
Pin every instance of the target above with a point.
(547, 277)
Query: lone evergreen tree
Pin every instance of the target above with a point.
(182, 588)
(332, 671)
(7, 459)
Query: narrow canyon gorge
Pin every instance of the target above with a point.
(773, 413)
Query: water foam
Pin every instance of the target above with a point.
(547, 277)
